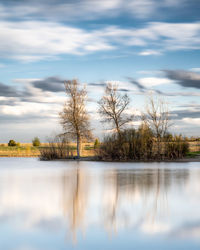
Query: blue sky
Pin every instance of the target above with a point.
(150, 42)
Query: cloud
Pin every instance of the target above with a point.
(10, 95)
(52, 84)
(8, 91)
(95, 84)
(175, 36)
(142, 9)
(147, 85)
(189, 94)
(21, 108)
(194, 121)
(37, 40)
(184, 78)
(187, 115)
(137, 84)
(153, 81)
(86, 9)
(40, 91)
(32, 41)
(195, 69)
(148, 72)
(124, 90)
(10, 101)
(24, 118)
(150, 53)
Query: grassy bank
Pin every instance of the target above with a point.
(19, 151)
(193, 154)
(27, 150)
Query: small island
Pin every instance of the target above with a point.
(150, 141)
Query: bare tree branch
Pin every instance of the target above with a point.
(112, 107)
(157, 117)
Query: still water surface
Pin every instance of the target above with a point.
(98, 206)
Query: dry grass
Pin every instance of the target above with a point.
(194, 146)
(27, 150)
(22, 151)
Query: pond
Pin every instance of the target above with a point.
(98, 206)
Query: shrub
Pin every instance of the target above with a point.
(96, 144)
(36, 142)
(12, 143)
(176, 148)
(131, 145)
(58, 148)
(140, 144)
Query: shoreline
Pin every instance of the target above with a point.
(91, 158)
(193, 159)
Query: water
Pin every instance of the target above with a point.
(99, 206)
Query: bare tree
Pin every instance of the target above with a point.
(157, 117)
(113, 107)
(74, 117)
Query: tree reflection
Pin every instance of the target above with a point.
(143, 191)
(128, 198)
(75, 197)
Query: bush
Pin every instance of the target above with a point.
(177, 147)
(12, 143)
(131, 145)
(96, 144)
(140, 144)
(36, 142)
(58, 148)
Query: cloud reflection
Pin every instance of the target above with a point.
(79, 199)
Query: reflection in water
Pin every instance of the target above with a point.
(81, 199)
(146, 187)
(75, 186)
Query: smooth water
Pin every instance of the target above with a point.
(98, 206)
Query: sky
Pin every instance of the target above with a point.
(145, 46)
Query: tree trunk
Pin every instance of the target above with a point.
(118, 132)
(78, 147)
(159, 149)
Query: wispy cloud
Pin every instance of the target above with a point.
(150, 53)
(8, 91)
(87, 9)
(147, 85)
(154, 81)
(184, 78)
(51, 84)
(193, 121)
(36, 40)
(195, 69)
(41, 91)
(185, 114)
